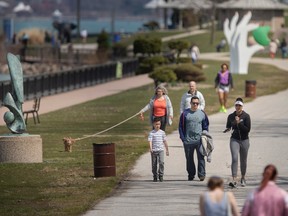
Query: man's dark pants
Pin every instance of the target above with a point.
(190, 165)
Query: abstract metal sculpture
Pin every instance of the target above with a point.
(14, 100)
(236, 36)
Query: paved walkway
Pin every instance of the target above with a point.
(224, 56)
(138, 195)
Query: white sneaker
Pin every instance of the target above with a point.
(243, 182)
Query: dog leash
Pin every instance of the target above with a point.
(92, 135)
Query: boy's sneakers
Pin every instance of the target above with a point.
(190, 178)
(202, 178)
(233, 184)
(160, 179)
(243, 182)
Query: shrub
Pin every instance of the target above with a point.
(188, 60)
(179, 46)
(147, 46)
(119, 50)
(147, 65)
(163, 74)
(185, 60)
(200, 66)
(188, 72)
(140, 46)
(152, 25)
(144, 69)
(169, 56)
(103, 40)
(155, 60)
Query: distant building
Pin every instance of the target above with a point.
(264, 12)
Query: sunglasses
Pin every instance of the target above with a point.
(194, 103)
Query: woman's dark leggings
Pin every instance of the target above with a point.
(236, 147)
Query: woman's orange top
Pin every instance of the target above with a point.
(159, 108)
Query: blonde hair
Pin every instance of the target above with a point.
(165, 92)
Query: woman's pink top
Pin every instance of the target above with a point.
(271, 201)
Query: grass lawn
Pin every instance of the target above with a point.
(63, 184)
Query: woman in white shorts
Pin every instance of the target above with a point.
(223, 82)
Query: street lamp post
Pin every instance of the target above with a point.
(112, 24)
(212, 36)
(78, 20)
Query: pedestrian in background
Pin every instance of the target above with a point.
(273, 49)
(160, 106)
(216, 202)
(186, 98)
(195, 52)
(240, 123)
(268, 199)
(157, 141)
(223, 82)
(192, 123)
(283, 47)
(84, 34)
(221, 45)
(14, 38)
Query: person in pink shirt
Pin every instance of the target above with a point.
(268, 199)
(223, 82)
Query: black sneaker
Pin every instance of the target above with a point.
(161, 178)
(202, 178)
(154, 179)
(190, 178)
(233, 184)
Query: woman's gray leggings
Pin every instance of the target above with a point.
(239, 146)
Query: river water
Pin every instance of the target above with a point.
(93, 26)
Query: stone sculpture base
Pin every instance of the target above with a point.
(22, 148)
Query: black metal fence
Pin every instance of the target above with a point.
(49, 84)
(66, 54)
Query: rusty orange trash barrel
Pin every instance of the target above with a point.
(250, 88)
(104, 159)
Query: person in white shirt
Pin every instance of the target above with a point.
(157, 143)
(186, 98)
(194, 53)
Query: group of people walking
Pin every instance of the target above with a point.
(193, 125)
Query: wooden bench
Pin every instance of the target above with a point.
(33, 111)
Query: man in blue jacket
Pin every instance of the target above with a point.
(191, 124)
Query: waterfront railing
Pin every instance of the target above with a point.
(54, 83)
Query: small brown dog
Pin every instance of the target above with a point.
(68, 142)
